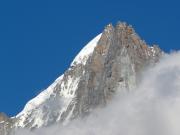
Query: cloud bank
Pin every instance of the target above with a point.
(151, 109)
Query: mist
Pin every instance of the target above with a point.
(153, 108)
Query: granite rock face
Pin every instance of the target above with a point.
(109, 63)
(115, 64)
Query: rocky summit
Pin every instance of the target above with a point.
(111, 62)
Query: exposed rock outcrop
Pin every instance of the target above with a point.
(5, 124)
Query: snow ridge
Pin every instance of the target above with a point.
(84, 54)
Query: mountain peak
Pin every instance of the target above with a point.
(109, 63)
(120, 26)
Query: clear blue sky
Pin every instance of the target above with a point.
(39, 39)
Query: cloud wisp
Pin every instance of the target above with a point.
(153, 108)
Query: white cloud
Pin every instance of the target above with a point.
(152, 109)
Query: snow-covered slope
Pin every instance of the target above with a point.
(81, 58)
(34, 110)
